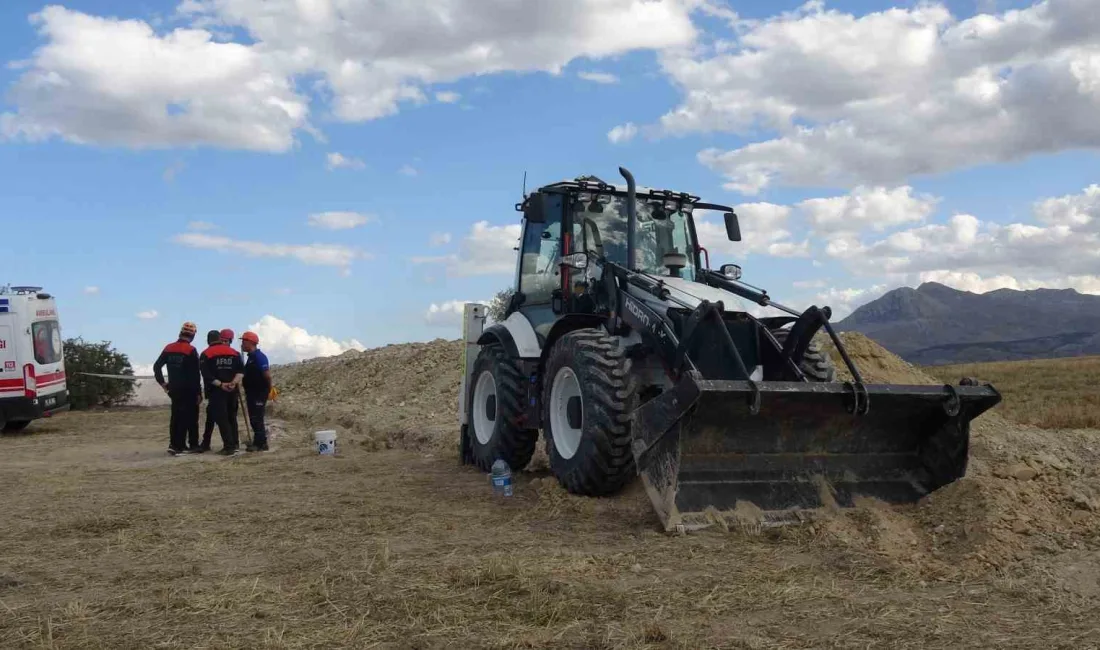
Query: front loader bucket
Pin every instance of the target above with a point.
(699, 447)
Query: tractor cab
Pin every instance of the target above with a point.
(571, 229)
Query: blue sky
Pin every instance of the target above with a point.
(893, 150)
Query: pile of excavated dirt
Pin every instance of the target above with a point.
(876, 364)
(399, 396)
(1030, 497)
(1030, 502)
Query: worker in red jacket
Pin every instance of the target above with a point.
(233, 406)
(223, 369)
(213, 337)
(184, 388)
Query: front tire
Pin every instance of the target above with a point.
(816, 364)
(587, 396)
(494, 407)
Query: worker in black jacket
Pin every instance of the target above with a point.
(184, 388)
(223, 369)
(212, 339)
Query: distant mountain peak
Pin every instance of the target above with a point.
(978, 326)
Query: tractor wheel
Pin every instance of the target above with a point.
(816, 364)
(494, 407)
(588, 392)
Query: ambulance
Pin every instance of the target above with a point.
(32, 361)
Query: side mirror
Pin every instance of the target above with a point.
(733, 229)
(576, 261)
(732, 271)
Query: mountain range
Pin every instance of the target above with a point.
(935, 324)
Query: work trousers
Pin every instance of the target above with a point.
(233, 404)
(256, 406)
(208, 428)
(183, 424)
(219, 407)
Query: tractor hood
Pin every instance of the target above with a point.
(696, 292)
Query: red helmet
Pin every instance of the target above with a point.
(227, 335)
(251, 337)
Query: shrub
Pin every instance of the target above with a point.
(499, 304)
(87, 392)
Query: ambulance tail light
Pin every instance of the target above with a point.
(30, 383)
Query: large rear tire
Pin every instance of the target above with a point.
(588, 393)
(14, 427)
(494, 407)
(816, 364)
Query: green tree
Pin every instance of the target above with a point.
(499, 304)
(87, 392)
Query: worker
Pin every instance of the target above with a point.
(223, 369)
(257, 386)
(213, 337)
(184, 388)
(233, 405)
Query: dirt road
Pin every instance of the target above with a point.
(110, 543)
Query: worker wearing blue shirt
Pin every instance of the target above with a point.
(257, 387)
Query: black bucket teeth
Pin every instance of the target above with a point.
(700, 449)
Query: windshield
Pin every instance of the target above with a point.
(603, 233)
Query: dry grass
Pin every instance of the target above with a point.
(1047, 393)
(109, 543)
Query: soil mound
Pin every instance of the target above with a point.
(398, 396)
(876, 364)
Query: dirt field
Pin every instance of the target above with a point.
(110, 543)
(1056, 393)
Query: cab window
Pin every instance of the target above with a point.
(540, 265)
(46, 335)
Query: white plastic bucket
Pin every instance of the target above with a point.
(326, 442)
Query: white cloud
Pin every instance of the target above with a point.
(91, 290)
(408, 170)
(877, 208)
(764, 230)
(447, 97)
(147, 315)
(314, 254)
(228, 78)
(200, 225)
(876, 98)
(1061, 249)
(598, 77)
(141, 89)
(337, 160)
(439, 239)
(622, 133)
(447, 314)
(487, 250)
(284, 343)
(844, 301)
(339, 220)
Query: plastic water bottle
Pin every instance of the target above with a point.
(502, 478)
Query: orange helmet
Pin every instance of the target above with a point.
(251, 338)
(188, 329)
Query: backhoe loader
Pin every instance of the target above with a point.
(634, 358)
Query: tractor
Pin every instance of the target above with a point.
(633, 357)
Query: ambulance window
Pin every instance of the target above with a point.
(47, 341)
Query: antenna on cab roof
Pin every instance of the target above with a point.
(525, 183)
